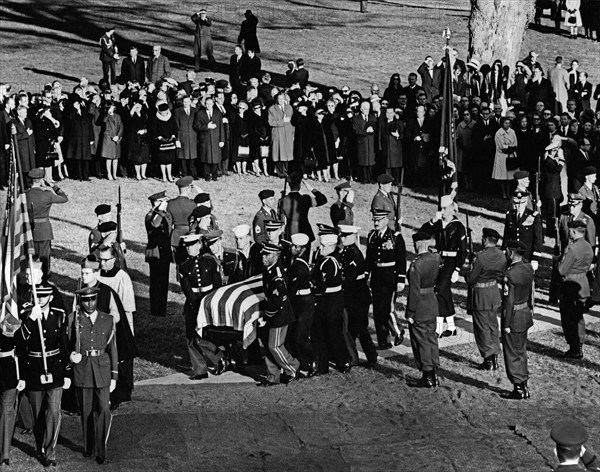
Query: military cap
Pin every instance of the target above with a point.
(213, 235)
(575, 198)
(158, 196)
(422, 236)
(190, 239)
(202, 198)
(202, 10)
(300, 239)
(109, 28)
(328, 239)
(380, 213)
(200, 211)
(37, 173)
(273, 225)
(520, 194)
(517, 246)
(162, 106)
(43, 290)
(184, 182)
(325, 229)
(87, 292)
(102, 209)
(263, 194)
(589, 170)
(491, 233)
(521, 174)
(385, 179)
(446, 201)
(90, 262)
(107, 227)
(241, 231)
(294, 177)
(343, 186)
(348, 229)
(568, 433)
(320, 111)
(269, 248)
(577, 224)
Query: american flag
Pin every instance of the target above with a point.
(16, 235)
(235, 306)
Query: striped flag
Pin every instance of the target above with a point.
(235, 306)
(16, 235)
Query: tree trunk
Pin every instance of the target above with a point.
(497, 29)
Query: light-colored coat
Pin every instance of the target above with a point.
(113, 126)
(282, 135)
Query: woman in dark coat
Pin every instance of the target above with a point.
(301, 123)
(137, 137)
(80, 138)
(393, 91)
(258, 133)
(527, 150)
(391, 135)
(46, 131)
(238, 124)
(25, 140)
(112, 135)
(323, 145)
(163, 134)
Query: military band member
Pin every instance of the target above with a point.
(179, 210)
(245, 261)
(108, 235)
(278, 316)
(451, 242)
(484, 277)
(590, 193)
(329, 324)
(524, 224)
(95, 369)
(95, 238)
(575, 289)
(422, 308)
(517, 318)
(267, 212)
(357, 296)
(45, 381)
(341, 211)
(158, 252)
(383, 199)
(199, 275)
(39, 202)
(570, 437)
(575, 213)
(386, 264)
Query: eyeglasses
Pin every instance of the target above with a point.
(466, 114)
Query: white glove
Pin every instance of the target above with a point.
(67, 383)
(113, 385)
(221, 144)
(178, 144)
(115, 139)
(261, 322)
(454, 277)
(75, 357)
(410, 320)
(36, 313)
(535, 265)
(20, 386)
(211, 125)
(401, 287)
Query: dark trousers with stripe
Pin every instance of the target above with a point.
(46, 415)
(43, 249)
(358, 328)
(328, 331)
(159, 286)
(8, 415)
(486, 331)
(515, 356)
(424, 343)
(96, 419)
(382, 311)
(277, 356)
(573, 323)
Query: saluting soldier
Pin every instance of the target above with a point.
(179, 210)
(517, 318)
(383, 199)
(575, 289)
(357, 296)
(158, 252)
(386, 263)
(590, 193)
(245, 261)
(95, 369)
(524, 224)
(484, 277)
(422, 308)
(39, 202)
(45, 380)
(341, 211)
(451, 242)
(266, 212)
(575, 213)
(95, 237)
(570, 437)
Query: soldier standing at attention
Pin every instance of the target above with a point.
(570, 437)
(39, 202)
(484, 276)
(383, 199)
(95, 370)
(179, 210)
(341, 212)
(575, 213)
(95, 238)
(266, 212)
(422, 309)
(517, 318)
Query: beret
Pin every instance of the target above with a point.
(343, 185)
(202, 198)
(422, 236)
(37, 173)
(589, 170)
(107, 227)
(300, 239)
(294, 177)
(158, 196)
(266, 194)
(577, 224)
(517, 246)
(184, 182)
(520, 174)
(269, 248)
(568, 433)
(102, 209)
(385, 179)
(491, 233)
(200, 211)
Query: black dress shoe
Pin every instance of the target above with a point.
(346, 368)
(383, 347)
(49, 462)
(285, 378)
(87, 455)
(426, 381)
(495, 362)
(574, 354)
(221, 367)
(399, 339)
(102, 460)
(486, 364)
(525, 389)
(4, 462)
(517, 394)
(199, 377)
(266, 383)
(435, 378)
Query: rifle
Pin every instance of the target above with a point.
(537, 184)
(471, 257)
(398, 215)
(554, 290)
(280, 213)
(75, 356)
(119, 227)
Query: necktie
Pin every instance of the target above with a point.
(209, 115)
(273, 215)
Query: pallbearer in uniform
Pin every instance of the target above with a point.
(95, 238)
(484, 277)
(517, 318)
(158, 252)
(524, 224)
(386, 263)
(341, 212)
(422, 308)
(95, 369)
(45, 383)
(357, 296)
(245, 260)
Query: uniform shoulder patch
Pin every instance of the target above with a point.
(257, 229)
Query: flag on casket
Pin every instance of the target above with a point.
(234, 306)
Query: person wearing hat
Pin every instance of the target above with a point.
(524, 224)
(517, 318)
(278, 316)
(179, 210)
(109, 55)
(422, 308)
(391, 136)
(521, 177)
(590, 193)
(213, 242)
(357, 296)
(203, 39)
(211, 134)
(282, 134)
(573, 267)
(266, 212)
(199, 275)
(329, 330)
(248, 32)
(575, 213)
(93, 349)
(39, 204)
(384, 199)
(202, 220)
(451, 242)
(45, 382)
(95, 238)
(570, 437)
(483, 277)
(554, 176)
(244, 261)
(158, 252)
(341, 212)
(386, 264)
(162, 135)
(108, 234)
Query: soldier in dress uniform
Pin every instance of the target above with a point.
(213, 245)
(158, 252)
(45, 380)
(179, 210)
(95, 369)
(202, 221)
(590, 193)
(108, 238)
(95, 237)
(523, 224)
(570, 436)
(517, 318)
(329, 326)
(341, 211)
(451, 242)
(523, 182)
(386, 263)
(422, 308)
(203, 200)
(484, 276)
(383, 199)
(245, 261)
(575, 213)
(39, 202)
(357, 296)
(199, 275)
(278, 316)
(575, 289)
(267, 212)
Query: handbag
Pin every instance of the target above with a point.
(512, 162)
(167, 147)
(52, 152)
(243, 151)
(264, 151)
(572, 20)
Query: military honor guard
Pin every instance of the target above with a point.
(357, 296)
(213, 245)
(386, 264)
(570, 437)
(523, 182)
(524, 224)
(95, 238)
(342, 211)
(267, 212)
(245, 260)
(179, 210)
(575, 289)
(485, 275)
(95, 369)
(422, 308)
(590, 193)
(384, 200)
(517, 318)
(576, 213)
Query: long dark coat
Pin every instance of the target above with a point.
(322, 143)
(186, 134)
(419, 150)
(391, 147)
(239, 134)
(26, 143)
(202, 37)
(365, 142)
(80, 134)
(45, 134)
(248, 33)
(209, 139)
(138, 144)
(301, 125)
(162, 132)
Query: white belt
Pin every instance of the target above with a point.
(303, 291)
(7, 354)
(449, 253)
(386, 264)
(333, 289)
(208, 288)
(360, 277)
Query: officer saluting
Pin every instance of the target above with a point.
(422, 308)
(517, 318)
(383, 199)
(484, 277)
(179, 210)
(524, 224)
(95, 369)
(341, 212)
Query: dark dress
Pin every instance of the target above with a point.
(323, 145)
(239, 136)
(45, 136)
(139, 148)
(163, 132)
(80, 134)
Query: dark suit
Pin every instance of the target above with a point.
(540, 92)
(26, 143)
(209, 139)
(131, 72)
(484, 148)
(430, 82)
(301, 76)
(582, 93)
